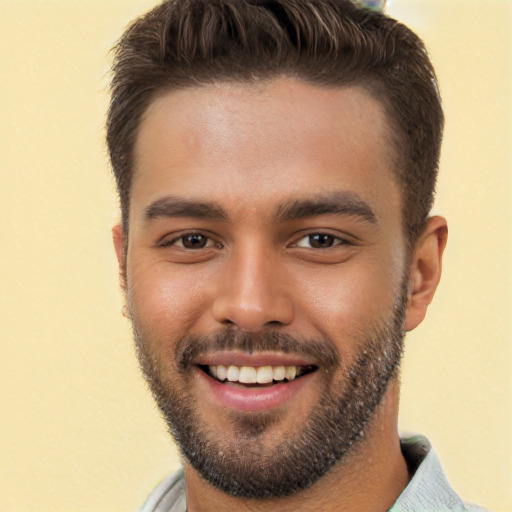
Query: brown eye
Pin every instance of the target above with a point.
(191, 241)
(194, 241)
(321, 241)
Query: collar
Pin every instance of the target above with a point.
(428, 489)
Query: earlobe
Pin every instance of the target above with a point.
(119, 239)
(425, 270)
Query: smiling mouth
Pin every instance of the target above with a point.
(256, 376)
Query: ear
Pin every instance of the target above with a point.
(119, 239)
(425, 270)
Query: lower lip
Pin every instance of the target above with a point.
(253, 399)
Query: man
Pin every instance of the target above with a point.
(276, 164)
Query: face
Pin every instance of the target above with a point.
(265, 273)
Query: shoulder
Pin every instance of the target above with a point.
(471, 507)
(428, 489)
(168, 496)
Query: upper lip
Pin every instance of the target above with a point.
(255, 359)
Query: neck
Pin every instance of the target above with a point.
(370, 478)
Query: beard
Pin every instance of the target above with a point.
(253, 464)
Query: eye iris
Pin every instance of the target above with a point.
(194, 241)
(321, 241)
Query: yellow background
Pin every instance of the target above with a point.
(78, 429)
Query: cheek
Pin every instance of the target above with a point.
(344, 302)
(165, 301)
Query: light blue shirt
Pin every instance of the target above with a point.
(428, 490)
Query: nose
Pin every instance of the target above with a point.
(253, 292)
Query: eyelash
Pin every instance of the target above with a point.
(336, 241)
(181, 237)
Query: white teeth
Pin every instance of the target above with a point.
(253, 375)
(264, 375)
(279, 373)
(232, 373)
(222, 372)
(290, 372)
(247, 375)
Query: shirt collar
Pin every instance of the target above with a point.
(428, 489)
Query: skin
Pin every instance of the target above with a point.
(251, 149)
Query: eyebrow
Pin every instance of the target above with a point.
(170, 206)
(337, 203)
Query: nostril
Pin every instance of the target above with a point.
(274, 323)
(252, 307)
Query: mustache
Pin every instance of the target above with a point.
(190, 348)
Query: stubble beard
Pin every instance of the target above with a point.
(246, 466)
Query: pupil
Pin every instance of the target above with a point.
(320, 241)
(194, 241)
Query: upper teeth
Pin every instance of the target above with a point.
(253, 375)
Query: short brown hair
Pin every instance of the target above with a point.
(183, 43)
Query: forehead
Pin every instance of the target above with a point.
(260, 143)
